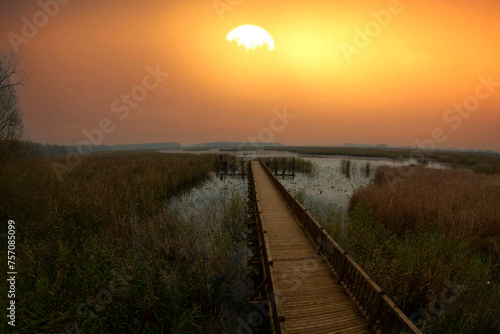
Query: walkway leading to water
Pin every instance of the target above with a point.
(311, 284)
(311, 298)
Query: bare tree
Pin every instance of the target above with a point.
(11, 122)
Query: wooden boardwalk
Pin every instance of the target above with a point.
(309, 283)
(311, 298)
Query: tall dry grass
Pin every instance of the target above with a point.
(465, 204)
(415, 230)
(102, 252)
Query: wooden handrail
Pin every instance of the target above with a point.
(382, 314)
(276, 315)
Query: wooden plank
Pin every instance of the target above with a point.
(309, 290)
(309, 295)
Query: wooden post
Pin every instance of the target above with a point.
(376, 309)
(343, 265)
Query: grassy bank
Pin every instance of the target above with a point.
(102, 252)
(430, 238)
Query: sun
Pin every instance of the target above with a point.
(251, 37)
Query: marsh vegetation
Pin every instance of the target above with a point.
(430, 238)
(104, 251)
(149, 242)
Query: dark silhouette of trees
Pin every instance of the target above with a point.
(11, 121)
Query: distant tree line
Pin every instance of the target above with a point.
(365, 145)
(55, 149)
(236, 144)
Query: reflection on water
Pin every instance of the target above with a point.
(214, 216)
(207, 198)
(335, 177)
(333, 182)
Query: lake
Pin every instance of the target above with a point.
(328, 184)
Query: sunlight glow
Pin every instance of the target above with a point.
(251, 37)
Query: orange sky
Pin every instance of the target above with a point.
(397, 89)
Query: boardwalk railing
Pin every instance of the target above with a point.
(263, 255)
(382, 314)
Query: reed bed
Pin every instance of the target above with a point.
(465, 204)
(103, 252)
(431, 239)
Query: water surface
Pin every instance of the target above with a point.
(328, 184)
